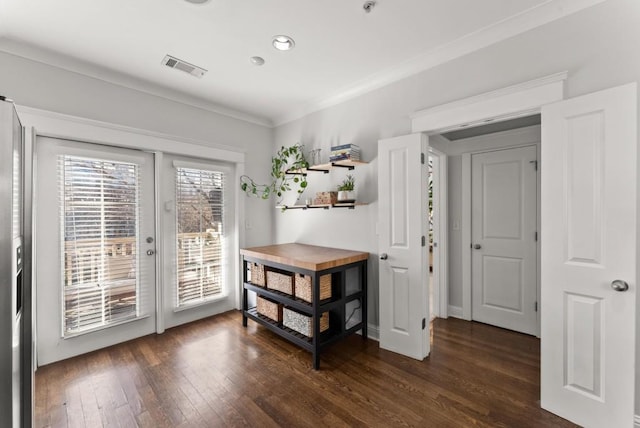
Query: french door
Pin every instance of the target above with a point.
(198, 230)
(95, 247)
(404, 297)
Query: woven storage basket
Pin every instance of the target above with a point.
(304, 290)
(269, 309)
(257, 274)
(279, 281)
(303, 323)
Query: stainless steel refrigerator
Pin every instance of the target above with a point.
(16, 368)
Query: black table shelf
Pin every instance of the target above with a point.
(335, 306)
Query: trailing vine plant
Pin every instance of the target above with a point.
(287, 160)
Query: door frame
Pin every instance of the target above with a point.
(524, 99)
(440, 266)
(43, 123)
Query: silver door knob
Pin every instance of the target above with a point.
(620, 285)
(150, 252)
(477, 246)
(384, 256)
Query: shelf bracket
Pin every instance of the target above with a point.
(337, 165)
(324, 171)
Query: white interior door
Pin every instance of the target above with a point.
(95, 255)
(403, 267)
(503, 258)
(199, 230)
(588, 243)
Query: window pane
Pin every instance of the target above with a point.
(99, 223)
(200, 233)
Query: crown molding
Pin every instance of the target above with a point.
(509, 27)
(84, 68)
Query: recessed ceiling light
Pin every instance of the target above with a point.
(257, 60)
(283, 43)
(197, 1)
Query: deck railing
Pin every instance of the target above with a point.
(100, 275)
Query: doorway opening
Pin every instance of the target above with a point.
(464, 274)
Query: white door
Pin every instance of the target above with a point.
(199, 231)
(403, 267)
(95, 267)
(588, 243)
(503, 228)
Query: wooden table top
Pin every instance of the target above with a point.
(305, 256)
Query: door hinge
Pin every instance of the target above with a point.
(535, 164)
(535, 235)
(424, 241)
(422, 158)
(424, 323)
(535, 306)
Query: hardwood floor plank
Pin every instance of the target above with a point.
(215, 373)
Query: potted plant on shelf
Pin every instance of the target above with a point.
(346, 190)
(287, 171)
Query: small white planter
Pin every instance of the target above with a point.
(346, 196)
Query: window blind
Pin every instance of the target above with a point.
(200, 235)
(99, 214)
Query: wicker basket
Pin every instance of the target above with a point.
(303, 323)
(269, 309)
(304, 290)
(257, 274)
(323, 198)
(280, 281)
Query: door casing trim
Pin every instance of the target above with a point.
(510, 102)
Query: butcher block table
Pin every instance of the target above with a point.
(338, 293)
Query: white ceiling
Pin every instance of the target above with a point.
(340, 52)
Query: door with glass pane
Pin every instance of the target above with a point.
(198, 229)
(95, 247)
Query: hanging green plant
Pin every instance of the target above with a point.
(284, 166)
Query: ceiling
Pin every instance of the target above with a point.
(340, 51)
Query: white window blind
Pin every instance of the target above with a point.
(99, 214)
(200, 235)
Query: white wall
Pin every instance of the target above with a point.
(34, 84)
(598, 47)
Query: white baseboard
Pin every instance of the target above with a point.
(455, 311)
(636, 421)
(373, 332)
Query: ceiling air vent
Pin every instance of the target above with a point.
(181, 65)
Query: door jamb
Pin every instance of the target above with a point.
(519, 100)
(440, 289)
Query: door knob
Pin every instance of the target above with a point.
(620, 285)
(477, 246)
(384, 256)
(150, 252)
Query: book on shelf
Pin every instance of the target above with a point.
(343, 157)
(345, 147)
(345, 152)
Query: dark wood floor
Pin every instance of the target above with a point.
(216, 373)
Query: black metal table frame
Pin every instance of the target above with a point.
(318, 342)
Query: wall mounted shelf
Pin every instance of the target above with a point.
(326, 167)
(319, 206)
